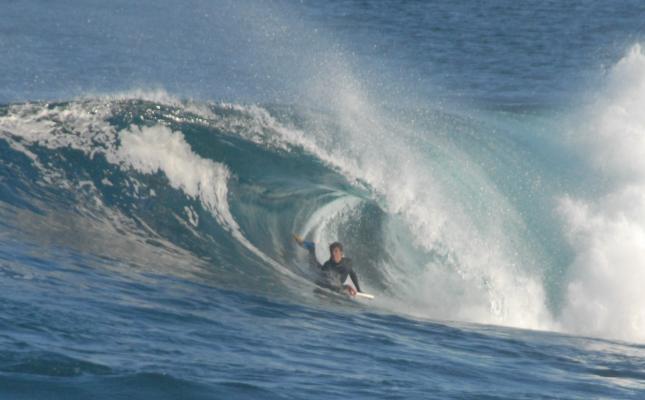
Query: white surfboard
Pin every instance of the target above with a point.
(365, 295)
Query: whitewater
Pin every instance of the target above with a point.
(494, 204)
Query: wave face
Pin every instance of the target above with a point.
(216, 189)
(229, 183)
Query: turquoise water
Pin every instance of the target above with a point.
(482, 165)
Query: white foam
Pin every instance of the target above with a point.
(158, 149)
(605, 295)
(72, 125)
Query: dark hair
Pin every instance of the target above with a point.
(335, 245)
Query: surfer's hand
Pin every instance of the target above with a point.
(298, 239)
(350, 290)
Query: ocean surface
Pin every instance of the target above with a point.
(483, 164)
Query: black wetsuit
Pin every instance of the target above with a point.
(334, 274)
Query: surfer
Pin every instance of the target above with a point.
(335, 270)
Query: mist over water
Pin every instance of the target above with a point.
(606, 230)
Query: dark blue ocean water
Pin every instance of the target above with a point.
(482, 163)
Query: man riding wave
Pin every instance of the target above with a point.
(335, 270)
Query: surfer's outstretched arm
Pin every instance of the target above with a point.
(311, 248)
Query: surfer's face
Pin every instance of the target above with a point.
(336, 255)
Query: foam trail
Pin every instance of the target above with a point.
(605, 294)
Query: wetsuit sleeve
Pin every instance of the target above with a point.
(311, 248)
(354, 277)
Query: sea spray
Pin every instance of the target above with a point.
(605, 293)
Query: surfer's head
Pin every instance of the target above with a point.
(336, 252)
